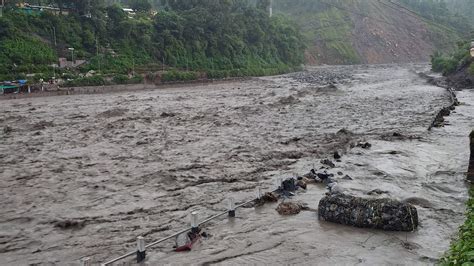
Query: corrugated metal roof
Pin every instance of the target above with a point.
(2, 87)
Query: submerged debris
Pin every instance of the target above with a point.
(165, 114)
(42, 125)
(328, 163)
(270, 197)
(290, 185)
(398, 136)
(267, 197)
(377, 191)
(364, 145)
(383, 214)
(301, 183)
(114, 112)
(186, 241)
(69, 224)
(7, 129)
(289, 208)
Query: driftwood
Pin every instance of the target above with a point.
(383, 214)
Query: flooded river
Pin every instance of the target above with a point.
(84, 175)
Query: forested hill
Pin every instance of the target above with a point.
(376, 31)
(222, 38)
(215, 38)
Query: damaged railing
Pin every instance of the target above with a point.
(140, 251)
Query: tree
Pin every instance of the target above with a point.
(263, 4)
(140, 5)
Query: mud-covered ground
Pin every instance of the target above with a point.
(84, 175)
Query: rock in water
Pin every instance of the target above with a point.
(328, 163)
(289, 208)
(386, 214)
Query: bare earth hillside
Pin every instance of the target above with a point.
(366, 31)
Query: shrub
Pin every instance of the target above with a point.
(443, 64)
(120, 79)
(135, 80)
(87, 81)
(179, 76)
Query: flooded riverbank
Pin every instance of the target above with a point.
(136, 163)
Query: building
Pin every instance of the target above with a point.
(5, 89)
(130, 12)
(36, 9)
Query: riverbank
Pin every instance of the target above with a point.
(461, 249)
(116, 88)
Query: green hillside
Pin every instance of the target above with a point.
(218, 38)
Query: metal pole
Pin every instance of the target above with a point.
(54, 34)
(259, 193)
(141, 249)
(470, 171)
(1, 8)
(231, 207)
(271, 8)
(194, 222)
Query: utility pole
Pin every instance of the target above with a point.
(72, 55)
(271, 8)
(54, 36)
(1, 8)
(97, 50)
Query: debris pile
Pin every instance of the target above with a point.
(383, 214)
(289, 208)
(186, 241)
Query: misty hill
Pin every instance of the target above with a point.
(373, 31)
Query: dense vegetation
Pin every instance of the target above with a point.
(462, 250)
(440, 12)
(464, 8)
(448, 64)
(220, 38)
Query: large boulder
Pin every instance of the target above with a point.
(383, 214)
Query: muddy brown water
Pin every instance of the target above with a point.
(125, 164)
